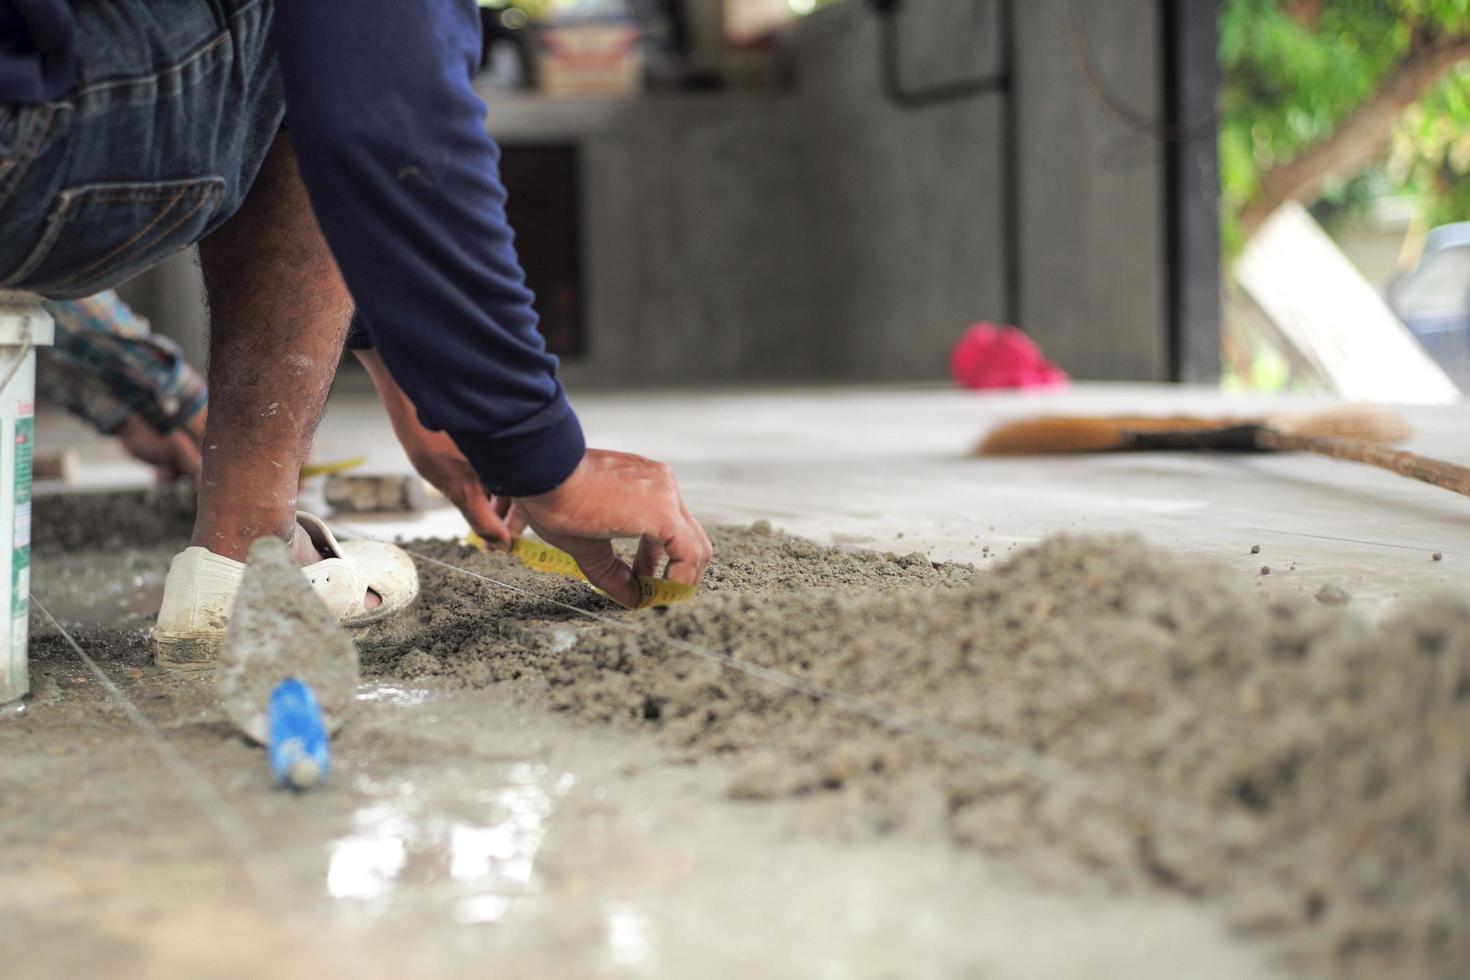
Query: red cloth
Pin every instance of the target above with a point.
(988, 356)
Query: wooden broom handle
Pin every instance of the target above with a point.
(1435, 471)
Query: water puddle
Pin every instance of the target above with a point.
(395, 694)
(628, 934)
(478, 864)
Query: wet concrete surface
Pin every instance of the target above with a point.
(473, 833)
(469, 833)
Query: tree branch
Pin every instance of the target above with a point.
(1361, 136)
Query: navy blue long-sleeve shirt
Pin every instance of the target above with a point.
(390, 139)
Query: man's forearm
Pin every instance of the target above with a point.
(404, 179)
(401, 413)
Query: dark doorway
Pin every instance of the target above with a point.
(544, 208)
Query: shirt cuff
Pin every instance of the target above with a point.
(534, 456)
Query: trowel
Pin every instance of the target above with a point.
(288, 671)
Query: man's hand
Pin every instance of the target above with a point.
(172, 454)
(609, 495)
(618, 495)
(438, 460)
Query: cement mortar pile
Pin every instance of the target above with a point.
(1159, 724)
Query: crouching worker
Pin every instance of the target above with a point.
(328, 157)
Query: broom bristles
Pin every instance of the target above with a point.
(1053, 434)
(1050, 434)
(1368, 423)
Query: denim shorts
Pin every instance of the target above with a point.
(155, 145)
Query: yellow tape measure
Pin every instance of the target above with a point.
(543, 557)
(334, 466)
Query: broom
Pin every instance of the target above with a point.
(1358, 433)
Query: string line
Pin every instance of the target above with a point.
(271, 886)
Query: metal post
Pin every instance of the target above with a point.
(1192, 188)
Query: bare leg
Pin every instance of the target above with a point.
(278, 318)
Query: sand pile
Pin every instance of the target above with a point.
(1307, 770)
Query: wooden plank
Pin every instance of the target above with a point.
(1333, 317)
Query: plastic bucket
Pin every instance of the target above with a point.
(24, 326)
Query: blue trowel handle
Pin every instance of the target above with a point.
(300, 755)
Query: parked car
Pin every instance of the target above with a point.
(1433, 300)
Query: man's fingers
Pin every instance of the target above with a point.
(707, 548)
(515, 519)
(513, 516)
(480, 513)
(689, 550)
(688, 554)
(605, 570)
(650, 555)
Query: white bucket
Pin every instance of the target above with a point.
(24, 325)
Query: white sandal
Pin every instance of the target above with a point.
(200, 590)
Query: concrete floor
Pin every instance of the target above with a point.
(463, 835)
(885, 469)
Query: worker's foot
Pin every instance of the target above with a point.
(360, 582)
(312, 544)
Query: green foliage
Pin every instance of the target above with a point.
(1294, 68)
(1430, 152)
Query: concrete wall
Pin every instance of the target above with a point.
(171, 295)
(830, 235)
(909, 200)
(822, 233)
(905, 205)
(1094, 279)
(695, 234)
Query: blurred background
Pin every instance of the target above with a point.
(1264, 194)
